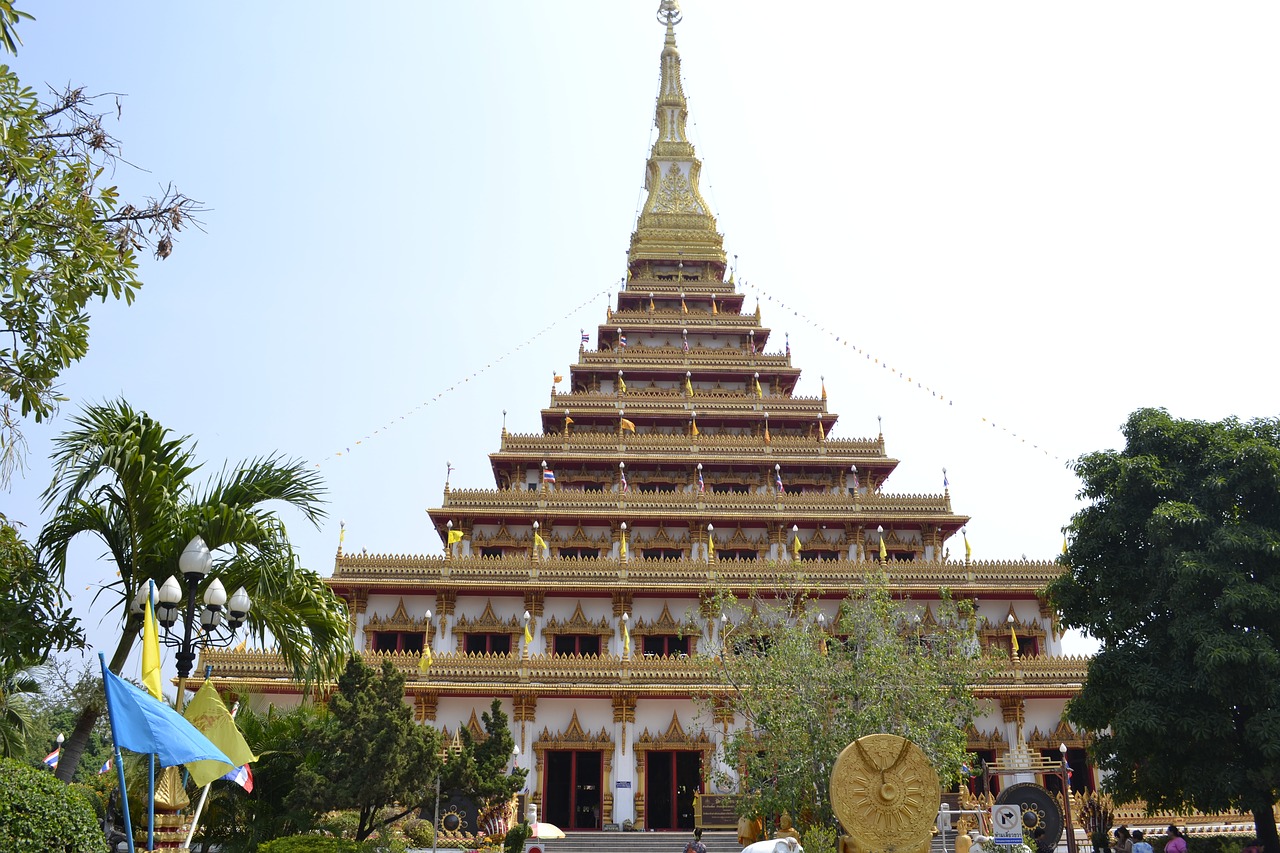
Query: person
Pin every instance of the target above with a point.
(1139, 845)
(1124, 843)
(696, 845)
(1177, 842)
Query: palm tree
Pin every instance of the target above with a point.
(15, 716)
(124, 478)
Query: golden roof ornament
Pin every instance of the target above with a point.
(675, 223)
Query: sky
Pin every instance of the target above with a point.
(999, 227)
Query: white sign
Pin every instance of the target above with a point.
(1006, 820)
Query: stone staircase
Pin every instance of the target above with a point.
(641, 842)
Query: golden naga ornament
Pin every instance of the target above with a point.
(886, 794)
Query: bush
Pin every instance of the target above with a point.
(39, 814)
(819, 839)
(342, 824)
(309, 844)
(420, 833)
(516, 836)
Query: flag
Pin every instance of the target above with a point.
(753, 346)
(788, 339)
(242, 776)
(946, 484)
(822, 432)
(711, 545)
(684, 309)
(151, 649)
(455, 536)
(539, 542)
(622, 384)
(51, 760)
(777, 479)
(731, 276)
(568, 422)
(651, 302)
(622, 339)
(795, 547)
(626, 639)
(824, 389)
(424, 663)
(686, 344)
(1064, 544)
(623, 549)
(694, 424)
(884, 552)
(105, 768)
(688, 386)
(759, 390)
(714, 310)
(556, 378)
(624, 482)
(586, 338)
(548, 476)
(628, 274)
(626, 425)
(968, 549)
(856, 485)
(142, 723)
(211, 717)
(528, 635)
(766, 432)
(1013, 639)
(702, 489)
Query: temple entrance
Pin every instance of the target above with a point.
(672, 777)
(571, 792)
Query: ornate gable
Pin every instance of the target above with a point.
(487, 623)
(397, 621)
(665, 625)
(578, 624)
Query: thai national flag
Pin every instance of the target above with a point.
(686, 344)
(242, 776)
(548, 476)
(51, 760)
(778, 479)
(701, 488)
(624, 482)
(586, 338)
(105, 768)
(622, 339)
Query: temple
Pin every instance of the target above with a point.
(675, 458)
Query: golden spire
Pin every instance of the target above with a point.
(675, 223)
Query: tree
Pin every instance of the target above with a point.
(370, 754)
(479, 770)
(806, 689)
(66, 688)
(1174, 566)
(33, 608)
(66, 238)
(38, 813)
(123, 478)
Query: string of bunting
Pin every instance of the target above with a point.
(909, 378)
(346, 451)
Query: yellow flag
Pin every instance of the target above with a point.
(711, 545)
(714, 310)
(539, 542)
(627, 426)
(795, 547)
(1064, 544)
(622, 385)
(455, 536)
(557, 378)
(427, 658)
(766, 433)
(528, 635)
(151, 651)
(884, 552)
(1013, 640)
(824, 389)
(684, 309)
(624, 546)
(208, 714)
(695, 426)
(688, 387)
(651, 303)
(968, 550)
(626, 639)
(759, 390)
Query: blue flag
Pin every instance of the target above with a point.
(142, 723)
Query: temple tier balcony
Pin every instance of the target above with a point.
(664, 358)
(663, 320)
(465, 674)
(747, 448)
(709, 403)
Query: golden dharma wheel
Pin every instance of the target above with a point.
(886, 794)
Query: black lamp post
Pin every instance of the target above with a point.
(195, 563)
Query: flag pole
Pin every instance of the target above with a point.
(204, 795)
(151, 801)
(115, 743)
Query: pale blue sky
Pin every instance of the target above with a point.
(1050, 213)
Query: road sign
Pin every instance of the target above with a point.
(1006, 821)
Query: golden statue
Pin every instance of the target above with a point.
(886, 794)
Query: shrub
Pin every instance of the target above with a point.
(309, 844)
(819, 839)
(342, 824)
(419, 832)
(516, 837)
(39, 814)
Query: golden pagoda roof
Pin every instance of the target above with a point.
(676, 226)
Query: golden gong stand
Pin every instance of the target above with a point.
(886, 794)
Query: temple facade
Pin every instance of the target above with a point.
(673, 459)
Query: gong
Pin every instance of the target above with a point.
(1039, 808)
(886, 794)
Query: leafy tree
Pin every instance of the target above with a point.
(806, 689)
(1174, 566)
(481, 769)
(123, 478)
(67, 687)
(66, 238)
(370, 755)
(39, 814)
(33, 608)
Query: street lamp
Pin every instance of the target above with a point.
(195, 562)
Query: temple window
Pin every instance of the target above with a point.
(666, 645)
(577, 644)
(396, 641)
(487, 644)
(819, 555)
(661, 554)
(736, 554)
(1081, 775)
(902, 556)
(580, 553)
(490, 552)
